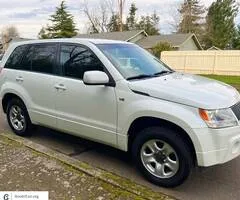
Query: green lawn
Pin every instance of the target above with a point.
(231, 80)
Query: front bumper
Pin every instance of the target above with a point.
(217, 146)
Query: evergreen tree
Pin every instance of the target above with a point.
(113, 25)
(150, 24)
(220, 27)
(236, 39)
(62, 26)
(131, 19)
(191, 17)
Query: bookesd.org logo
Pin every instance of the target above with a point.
(5, 196)
(23, 195)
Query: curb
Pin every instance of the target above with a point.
(105, 176)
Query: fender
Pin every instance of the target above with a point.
(186, 117)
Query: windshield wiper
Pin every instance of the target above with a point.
(140, 76)
(163, 72)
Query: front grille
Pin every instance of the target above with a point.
(236, 110)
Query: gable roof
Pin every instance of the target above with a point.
(213, 48)
(124, 36)
(176, 40)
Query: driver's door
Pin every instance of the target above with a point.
(87, 111)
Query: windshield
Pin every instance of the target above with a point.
(133, 62)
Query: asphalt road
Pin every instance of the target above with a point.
(219, 182)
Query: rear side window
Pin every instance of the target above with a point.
(41, 58)
(14, 61)
(76, 60)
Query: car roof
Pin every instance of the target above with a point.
(72, 40)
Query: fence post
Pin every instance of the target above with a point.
(215, 62)
(185, 62)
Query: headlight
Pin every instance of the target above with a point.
(218, 118)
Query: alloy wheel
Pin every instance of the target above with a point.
(159, 158)
(17, 118)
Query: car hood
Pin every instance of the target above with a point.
(188, 89)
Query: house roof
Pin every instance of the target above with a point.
(124, 36)
(17, 39)
(213, 48)
(176, 40)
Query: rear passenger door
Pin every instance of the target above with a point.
(37, 77)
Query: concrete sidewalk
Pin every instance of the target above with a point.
(25, 166)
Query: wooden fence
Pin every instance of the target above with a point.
(223, 62)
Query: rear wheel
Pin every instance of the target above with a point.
(18, 118)
(162, 156)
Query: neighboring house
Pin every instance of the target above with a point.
(181, 42)
(129, 36)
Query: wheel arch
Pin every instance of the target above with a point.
(144, 122)
(7, 97)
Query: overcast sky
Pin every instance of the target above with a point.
(30, 15)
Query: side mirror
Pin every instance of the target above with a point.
(95, 78)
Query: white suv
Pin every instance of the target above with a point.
(118, 94)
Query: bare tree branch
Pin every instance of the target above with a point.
(7, 34)
(175, 17)
(91, 18)
(99, 16)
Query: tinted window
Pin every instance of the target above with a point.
(76, 60)
(41, 58)
(14, 61)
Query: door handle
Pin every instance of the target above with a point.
(19, 79)
(60, 87)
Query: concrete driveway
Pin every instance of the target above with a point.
(218, 182)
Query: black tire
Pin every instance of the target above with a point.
(185, 161)
(26, 131)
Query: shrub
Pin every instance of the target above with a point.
(161, 46)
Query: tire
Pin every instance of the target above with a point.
(162, 156)
(17, 114)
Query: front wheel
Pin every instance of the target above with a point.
(162, 156)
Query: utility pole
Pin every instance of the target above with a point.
(121, 7)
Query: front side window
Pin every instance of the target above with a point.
(41, 58)
(133, 62)
(76, 60)
(14, 61)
